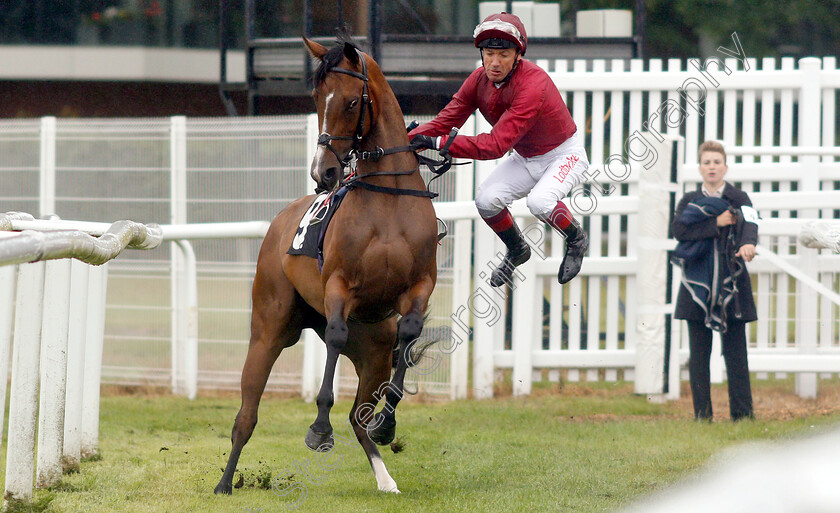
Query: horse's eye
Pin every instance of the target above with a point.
(352, 104)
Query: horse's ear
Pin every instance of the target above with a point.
(316, 50)
(350, 53)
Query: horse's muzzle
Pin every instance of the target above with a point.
(327, 180)
(325, 169)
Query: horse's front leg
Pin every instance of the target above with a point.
(384, 426)
(319, 437)
(373, 365)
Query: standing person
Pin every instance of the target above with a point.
(717, 231)
(529, 117)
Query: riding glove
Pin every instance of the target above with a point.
(422, 142)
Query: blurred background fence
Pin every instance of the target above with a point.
(185, 171)
(173, 171)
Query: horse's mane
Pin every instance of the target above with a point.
(336, 54)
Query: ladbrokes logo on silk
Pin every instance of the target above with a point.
(566, 168)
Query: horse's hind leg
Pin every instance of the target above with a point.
(408, 330)
(275, 324)
(319, 437)
(385, 424)
(254, 376)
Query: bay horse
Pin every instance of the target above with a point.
(378, 260)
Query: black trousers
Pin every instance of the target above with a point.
(734, 342)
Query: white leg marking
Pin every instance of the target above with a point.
(384, 481)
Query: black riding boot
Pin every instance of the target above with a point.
(576, 245)
(518, 252)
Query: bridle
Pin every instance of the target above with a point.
(356, 153)
(325, 139)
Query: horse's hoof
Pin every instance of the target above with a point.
(224, 489)
(321, 442)
(385, 430)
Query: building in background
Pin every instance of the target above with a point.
(107, 58)
(149, 58)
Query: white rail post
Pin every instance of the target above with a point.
(77, 335)
(810, 122)
(188, 303)
(488, 330)
(23, 403)
(311, 360)
(461, 276)
(828, 324)
(93, 360)
(654, 191)
(7, 309)
(523, 324)
(46, 182)
(674, 370)
(55, 325)
(178, 215)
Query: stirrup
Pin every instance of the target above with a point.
(444, 230)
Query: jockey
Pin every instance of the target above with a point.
(530, 118)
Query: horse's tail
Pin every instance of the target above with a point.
(416, 350)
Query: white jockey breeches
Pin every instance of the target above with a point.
(544, 179)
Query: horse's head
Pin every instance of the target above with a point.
(345, 108)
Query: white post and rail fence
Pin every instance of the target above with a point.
(481, 310)
(55, 308)
(53, 280)
(191, 173)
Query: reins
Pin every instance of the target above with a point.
(437, 167)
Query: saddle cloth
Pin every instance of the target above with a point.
(309, 237)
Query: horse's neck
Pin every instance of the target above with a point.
(390, 134)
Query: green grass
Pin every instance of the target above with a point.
(583, 448)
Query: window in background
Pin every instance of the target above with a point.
(172, 23)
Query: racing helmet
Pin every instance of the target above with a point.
(503, 30)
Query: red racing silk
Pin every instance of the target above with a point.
(527, 113)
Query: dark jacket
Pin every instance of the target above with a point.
(708, 230)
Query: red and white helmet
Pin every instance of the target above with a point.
(503, 30)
